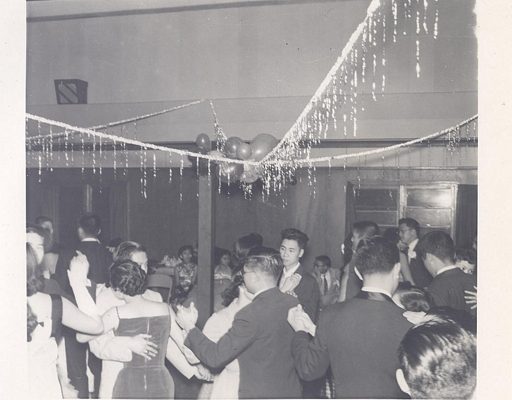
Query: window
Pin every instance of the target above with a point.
(433, 205)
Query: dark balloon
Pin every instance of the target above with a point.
(231, 146)
(244, 151)
(203, 142)
(262, 144)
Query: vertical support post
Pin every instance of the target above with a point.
(206, 243)
(87, 203)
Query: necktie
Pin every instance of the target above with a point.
(326, 287)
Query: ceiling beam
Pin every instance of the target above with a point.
(57, 10)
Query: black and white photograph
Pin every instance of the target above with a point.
(254, 199)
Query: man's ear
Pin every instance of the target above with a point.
(301, 253)
(400, 378)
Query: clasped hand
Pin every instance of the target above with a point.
(187, 317)
(300, 321)
(78, 270)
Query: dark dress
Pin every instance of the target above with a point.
(140, 378)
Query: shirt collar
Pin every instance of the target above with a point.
(291, 271)
(447, 268)
(376, 290)
(90, 239)
(327, 274)
(413, 244)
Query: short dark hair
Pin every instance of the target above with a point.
(438, 359)
(414, 299)
(90, 224)
(410, 223)
(367, 228)
(377, 255)
(247, 242)
(125, 250)
(266, 260)
(127, 277)
(437, 243)
(34, 272)
(182, 249)
(294, 234)
(465, 254)
(324, 259)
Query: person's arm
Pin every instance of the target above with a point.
(178, 359)
(109, 320)
(343, 284)
(75, 319)
(110, 347)
(309, 298)
(311, 357)
(235, 341)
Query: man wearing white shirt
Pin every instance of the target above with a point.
(412, 267)
(447, 288)
(327, 281)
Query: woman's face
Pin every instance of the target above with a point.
(186, 256)
(141, 258)
(225, 260)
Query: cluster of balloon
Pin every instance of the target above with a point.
(236, 148)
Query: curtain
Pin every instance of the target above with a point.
(466, 220)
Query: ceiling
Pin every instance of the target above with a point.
(260, 62)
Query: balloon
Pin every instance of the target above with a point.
(231, 146)
(244, 151)
(262, 144)
(230, 172)
(251, 174)
(203, 142)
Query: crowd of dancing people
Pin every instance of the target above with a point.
(396, 320)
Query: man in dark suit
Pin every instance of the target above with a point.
(351, 281)
(358, 338)
(100, 259)
(413, 268)
(260, 337)
(447, 288)
(295, 279)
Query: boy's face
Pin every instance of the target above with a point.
(320, 266)
(290, 252)
(186, 256)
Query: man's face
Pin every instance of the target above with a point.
(141, 258)
(48, 226)
(407, 235)
(290, 252)
(320, 266)
(37, 244)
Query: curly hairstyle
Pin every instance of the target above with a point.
(127, 277)
(414, 299)
(34, 272)
(124, 250)
(31, 322)
(232, 291)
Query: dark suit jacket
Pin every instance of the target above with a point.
(421, 276)
(308, 293)
(99, 259)
(359, 339)
(260, 338)
(447, 289)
